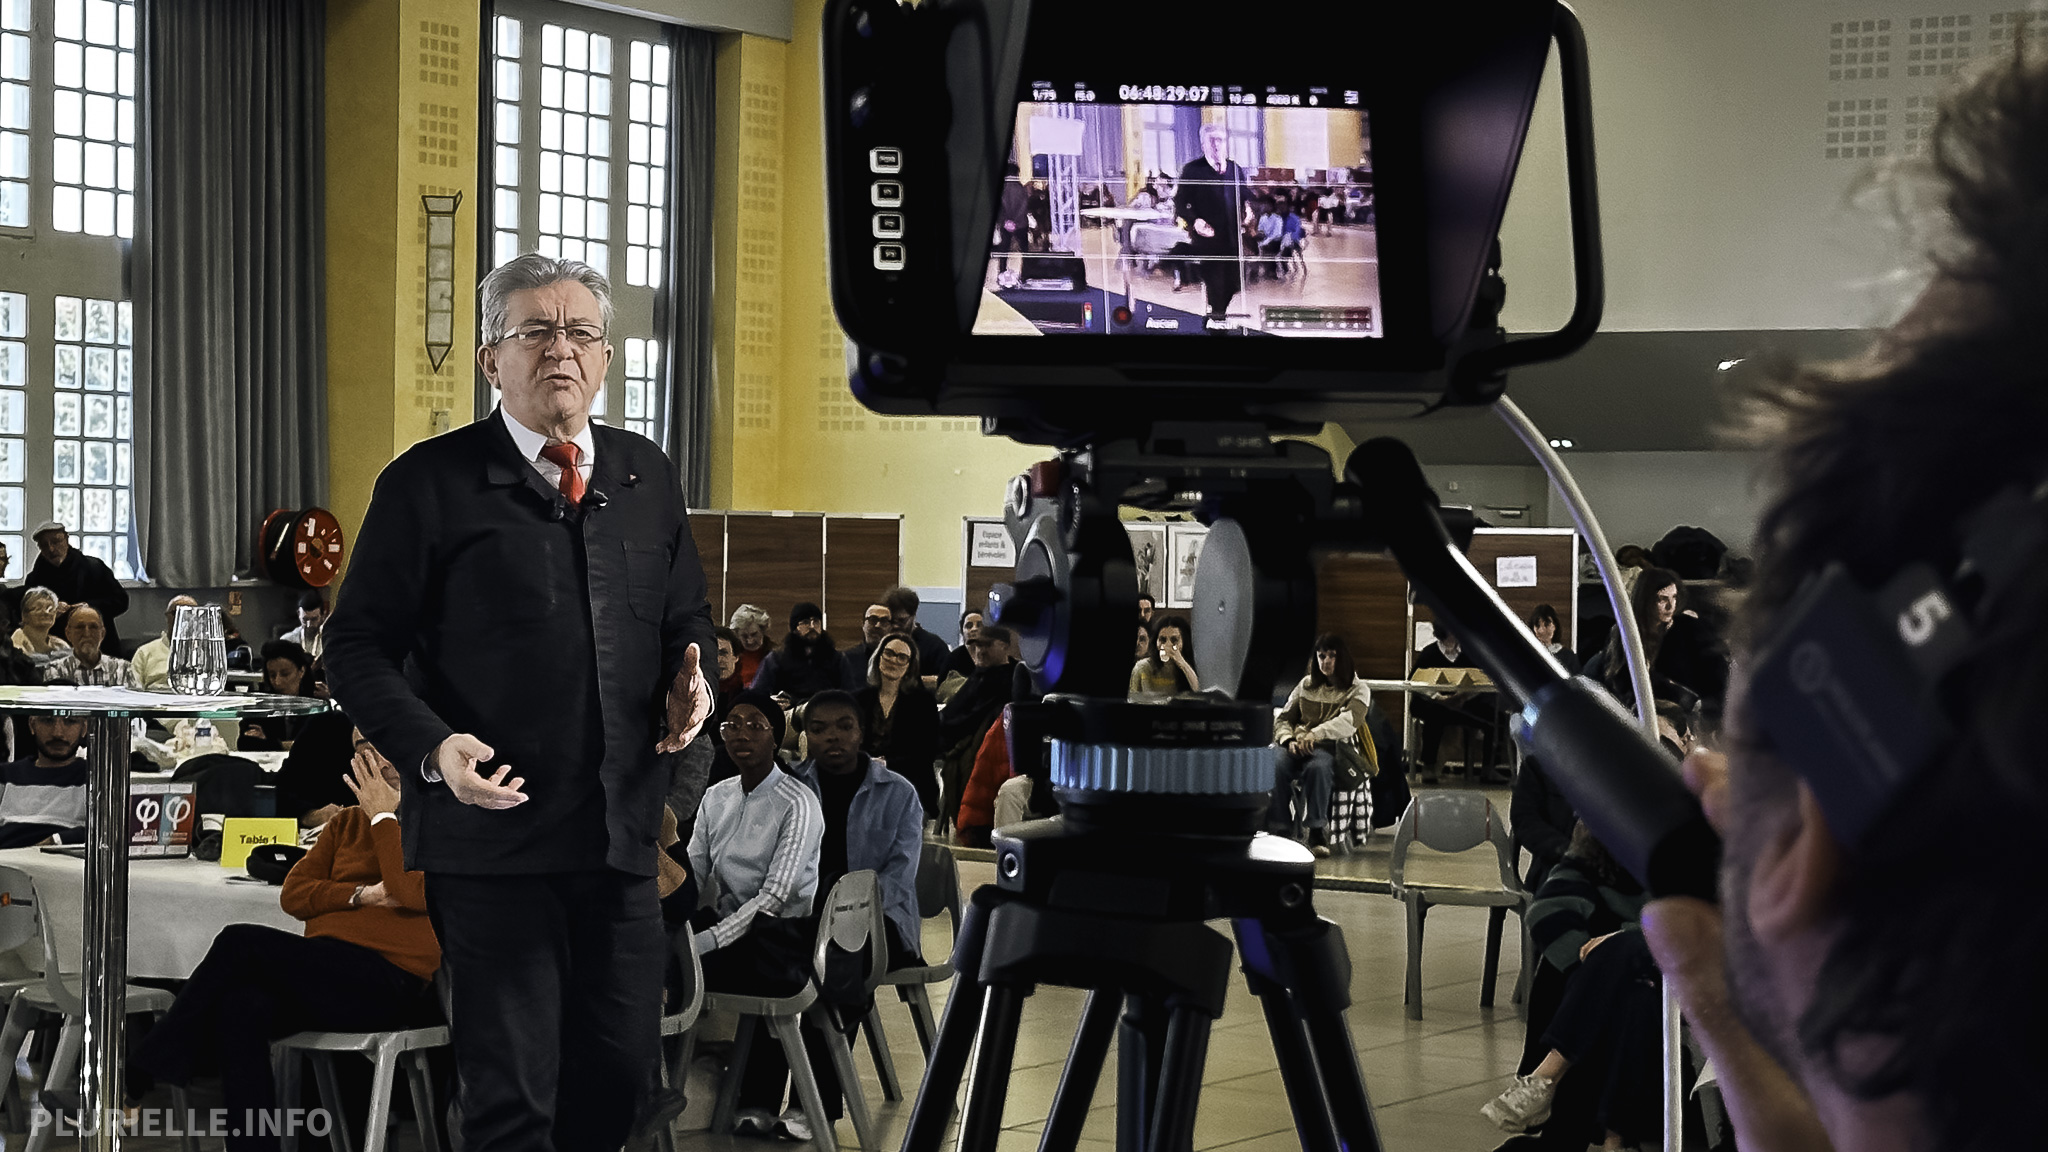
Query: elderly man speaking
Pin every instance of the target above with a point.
(520, 631)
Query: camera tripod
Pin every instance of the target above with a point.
(1083, 901)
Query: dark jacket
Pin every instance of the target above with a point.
(853, 667)
(801, 668)
(908, 740)
(316, 769)
(932, 654)
(478, 601)
(83, 579)
(1542, 819)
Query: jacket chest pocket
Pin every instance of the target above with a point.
(647, 580)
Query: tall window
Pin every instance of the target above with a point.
(67, 197)
(578, 151)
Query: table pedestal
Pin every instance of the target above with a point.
(106, 931)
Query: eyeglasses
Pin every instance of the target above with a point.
(893, 654)
(748, 726)
(534, 337)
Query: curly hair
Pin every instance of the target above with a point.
(1940, 955)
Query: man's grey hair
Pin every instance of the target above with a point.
(749, 616)
(533, 270)
(34, 596)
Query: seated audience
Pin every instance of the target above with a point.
(241, 657)
(284, 674)
(1325, 710)
(1687, 664)
(806, 664)
(88, 663)
(313, 783)
(37, 638)
(365, 963)
(962, 658)
(310, 633)
(728, 644)
(1543, 623)
(757, 834)
(872, 821)
(931, 651)
(899, 719)
(1597, 1019)
(1542, 819)
(1436, 712)
(971, 709)
(77, 578)
(1164, 670)
(1001, 792)
(1145, 608)
(751, 625)
(875, 623)
(45, 793)
(153, 660)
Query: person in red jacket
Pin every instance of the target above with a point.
(365, 964)
(977, 817)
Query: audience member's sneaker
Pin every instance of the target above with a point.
(1525, 1104)
(753, 1122)
(794, 1125)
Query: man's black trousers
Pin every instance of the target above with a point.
(555, 989)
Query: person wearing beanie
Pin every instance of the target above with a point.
(806, 664)
(759, 834)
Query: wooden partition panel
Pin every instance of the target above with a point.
(774, 561)
(708, 530)
(1364, 598)
(1557, 572)
(863, 559)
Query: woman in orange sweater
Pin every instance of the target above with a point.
(365, 964)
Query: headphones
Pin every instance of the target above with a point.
(1852, 692)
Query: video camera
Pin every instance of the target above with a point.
(1160, 239)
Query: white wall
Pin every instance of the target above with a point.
(1720, 210)
(1639, 496)
(1494, 485)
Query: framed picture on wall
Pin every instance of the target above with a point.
(1184, 545)
(1148, 550)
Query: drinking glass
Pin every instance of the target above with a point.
(199, 651)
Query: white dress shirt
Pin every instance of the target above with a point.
(530, 443)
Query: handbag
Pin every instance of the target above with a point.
(1349, 766)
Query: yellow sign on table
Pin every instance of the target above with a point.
(240, 834)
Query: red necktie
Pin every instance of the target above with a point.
(565, 456)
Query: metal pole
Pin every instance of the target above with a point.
(106, 931)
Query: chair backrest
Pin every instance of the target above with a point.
(938, 883)
(852, 921)
(20, 886)
(692, 967)
(1452, 822)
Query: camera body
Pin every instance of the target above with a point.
(1408, 121)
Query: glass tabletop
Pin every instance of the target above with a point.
(58, 700)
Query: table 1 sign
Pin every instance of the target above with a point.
(239, 835)
(161, 818)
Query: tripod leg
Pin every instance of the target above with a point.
(947, 1062)
(1309, 960)
(1305, 1095)
(995, 1051)
(1180, 1080)
(1137, 1071)
(1084, 1068)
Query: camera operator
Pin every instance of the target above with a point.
(1887, 993)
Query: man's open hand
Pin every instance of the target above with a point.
(689, 704)
(457, 759)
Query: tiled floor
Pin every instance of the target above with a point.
(1427, 1078)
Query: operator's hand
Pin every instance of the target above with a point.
(457, 759)
(689, 704)
(1768, 1108)
(1586, 949)
(1205, 230)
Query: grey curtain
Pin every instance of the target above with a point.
(690, 386)
(234, 394)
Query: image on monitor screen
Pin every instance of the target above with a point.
(1186, 212)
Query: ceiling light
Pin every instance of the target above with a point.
(1725, 365)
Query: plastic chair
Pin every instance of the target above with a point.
(675, 1075)
(938, 893)
(1457, 822)
(848, 922)
(55, 994)
(385, 1051)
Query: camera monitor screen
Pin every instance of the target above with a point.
(1185, 211)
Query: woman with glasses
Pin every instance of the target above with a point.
(899, 719)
